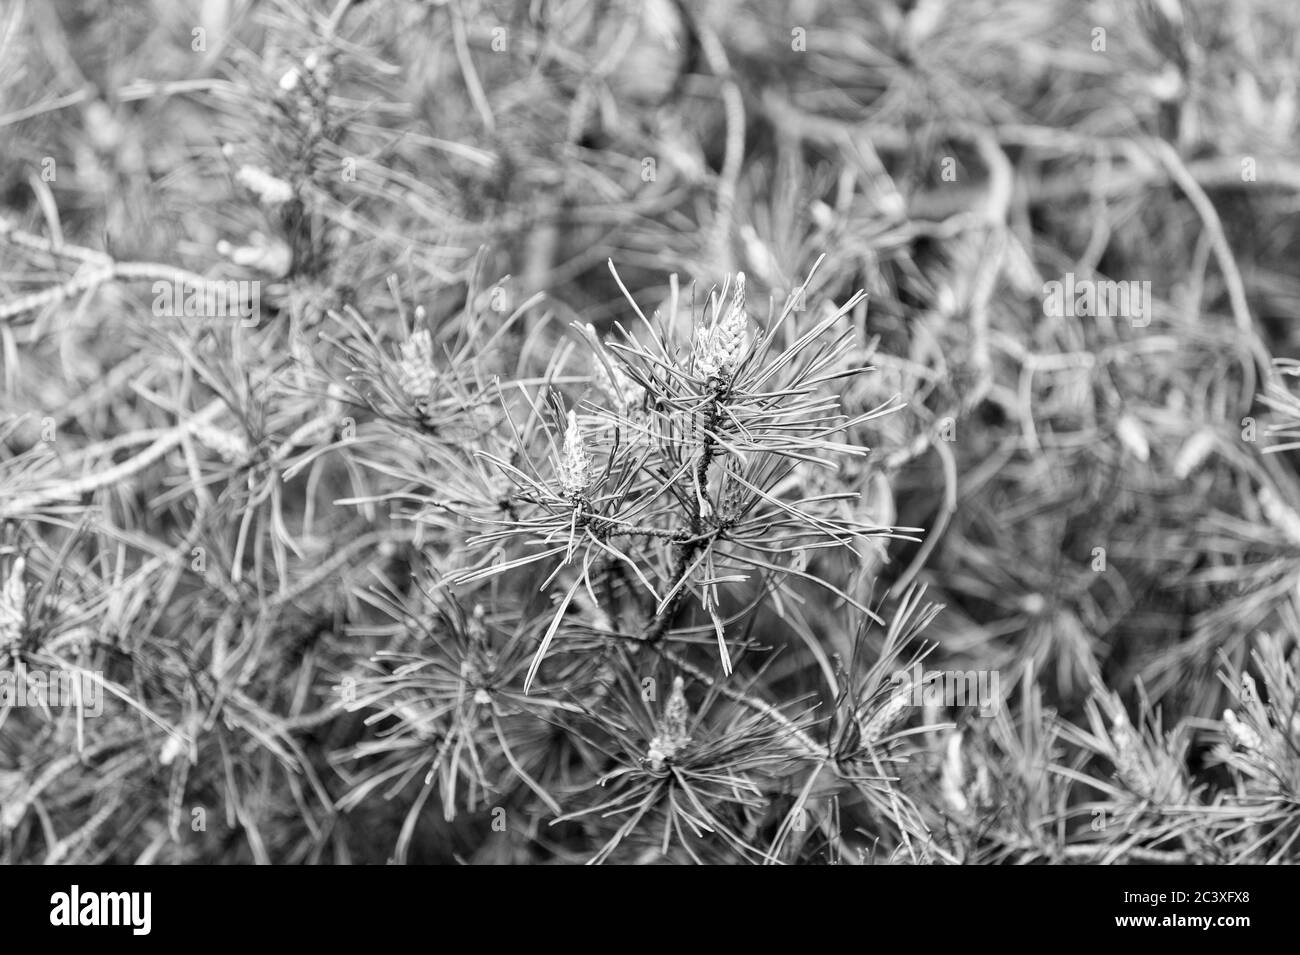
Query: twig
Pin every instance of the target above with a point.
(805, 744)
(472, 84)
(1092, 854)
(1227, 264)
(946, 511)
(716, 56)
(93, 482)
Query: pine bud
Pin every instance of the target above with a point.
(952, 779)
(416, 370)
(1194, 452)
(889, 712)
(13, 600)
(719, 347)
(1128, 760)
(672, 736)
(1132, 437)
(613, 380)
(270, 190)
(1279, 515)
(1241, 733)
(575, 464)
(619, 386)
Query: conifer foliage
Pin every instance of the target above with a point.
(575, 432)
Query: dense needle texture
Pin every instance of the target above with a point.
(717, 432)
